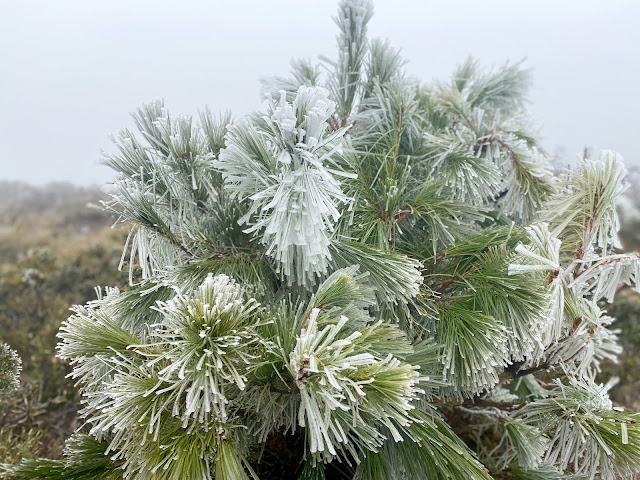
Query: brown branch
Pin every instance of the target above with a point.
(448, 281)
(434, 261)
(514, 371)
(456, 277)
(470, 123)
(588, 227)
(448, 299)
(480, 402)
(181, 246)
(403, 214)
(514, 158)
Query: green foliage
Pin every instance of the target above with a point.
(485, 114)
(432, 450)
(312, 471)
(279, 164)
(544, 472)
(583, 213)
(85, 459)
(586, 432)
(89, 332)
(475, 347)
(346, 82)
(394, 278)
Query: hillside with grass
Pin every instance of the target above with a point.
(56, 246)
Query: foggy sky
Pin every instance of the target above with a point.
(72, 70)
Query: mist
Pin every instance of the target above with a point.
(74, 70)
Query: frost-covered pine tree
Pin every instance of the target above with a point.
(371, 278)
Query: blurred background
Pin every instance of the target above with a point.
(73, 70)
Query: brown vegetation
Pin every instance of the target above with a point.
(54, 250)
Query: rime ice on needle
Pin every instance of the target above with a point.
(284, 164)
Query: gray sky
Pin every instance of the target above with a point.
(72, 70)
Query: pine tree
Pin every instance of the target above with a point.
(371, 278)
